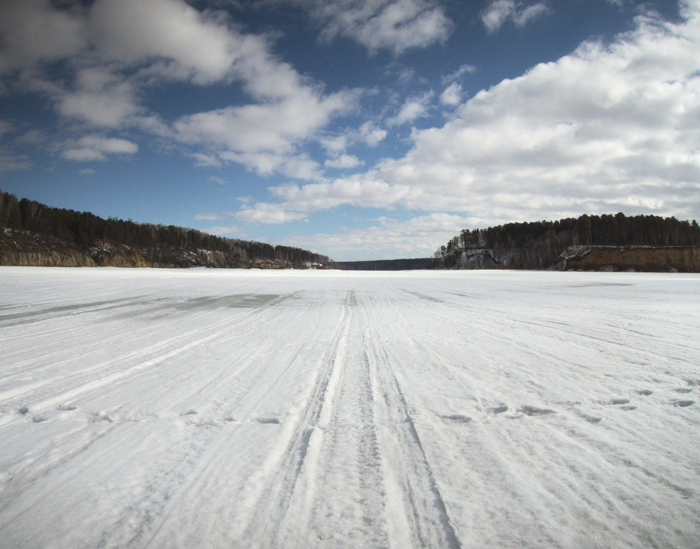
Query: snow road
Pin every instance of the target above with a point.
(167, 408)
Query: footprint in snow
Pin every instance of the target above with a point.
(498, 409)
(618, 401)
(268, 420)
(535, 411)
(645, 392)
(457, 418)
(682, 403)
(100, 416)
(683, 391)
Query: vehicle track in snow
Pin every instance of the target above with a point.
(353, 473)
(69, 385)
(365, 410)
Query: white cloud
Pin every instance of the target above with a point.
(458, 74)
(500, 11)
(5, 127)
(395, 25)
(203, 160)
(268, 214)
(95, 147)
(10, 162)
(388, 239)
(368, 134)
(208, 217)
(605, 129)
(117, 49)
(100, 98)
(33, 31)
(344, 161)
(264, 136)
(190, 44)
(371, 135)
(452, 95)
(413, 108)
(223, 230)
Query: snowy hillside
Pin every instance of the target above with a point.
(474, 409)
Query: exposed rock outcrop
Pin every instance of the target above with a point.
(586, 258)
(24, 248)
(685, 259)
(508, 258)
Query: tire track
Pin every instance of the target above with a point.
(50, 392)
(422, 518)
(270, 493)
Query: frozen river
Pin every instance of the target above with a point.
(211, 408)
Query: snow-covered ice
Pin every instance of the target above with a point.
(211, 408)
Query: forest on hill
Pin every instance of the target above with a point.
(155, 245)
(538, 244)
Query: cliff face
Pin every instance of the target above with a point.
(24, 248)
(685, 259)
(27, 249)
(509, 258)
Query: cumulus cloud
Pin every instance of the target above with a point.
(452, 95)
(99, 98)
(395, 25)
(336, 145)
(499, 12)
(371, 135)
(368, 134)
(263, 137)
(344, 161)
(96, 147)
(413, 108)
(608, 128)
(33, 32)
(200, 44)
(458, 74)
(388, 238)
(114, 50)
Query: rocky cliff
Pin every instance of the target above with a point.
(585, 258)
(25, 248)
(685, 259)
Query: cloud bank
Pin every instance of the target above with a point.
(114, 51)
(611, 127)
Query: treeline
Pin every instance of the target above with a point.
(84, 230)
(591, 230)
(386, 264)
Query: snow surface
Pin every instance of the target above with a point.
(212, 408)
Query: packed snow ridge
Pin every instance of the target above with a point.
(200, 408)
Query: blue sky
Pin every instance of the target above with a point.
(359, 129)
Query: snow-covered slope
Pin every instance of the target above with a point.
(200, 408)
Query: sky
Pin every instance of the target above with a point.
(358, 129)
